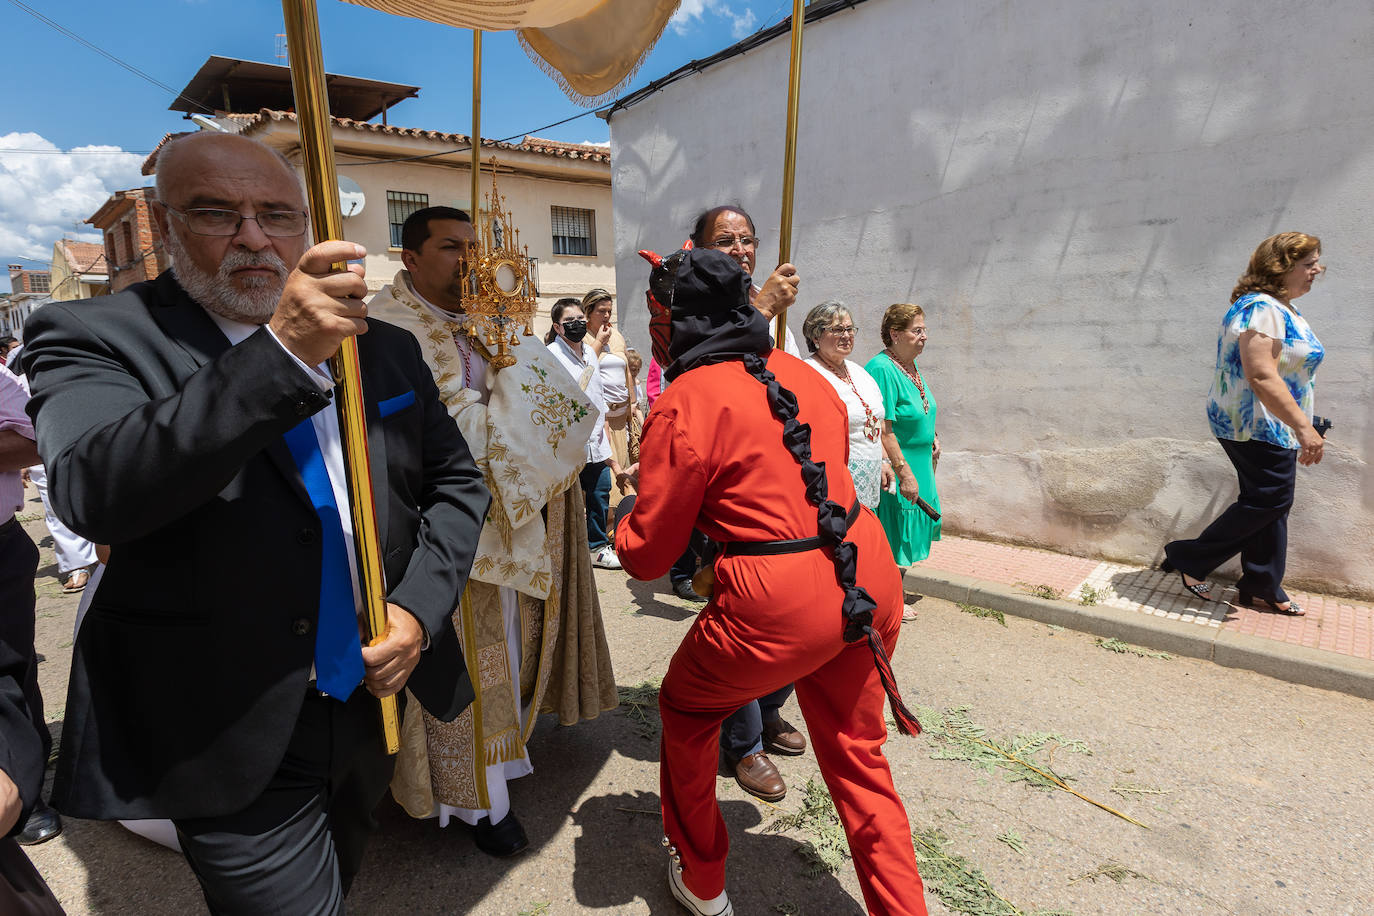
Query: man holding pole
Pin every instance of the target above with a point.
(219, 678)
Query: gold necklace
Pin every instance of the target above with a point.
(873, 427)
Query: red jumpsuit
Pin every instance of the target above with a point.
(712, 457)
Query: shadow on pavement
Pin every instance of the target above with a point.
(416, 867)
(126, 873)
(620, 858)
(656, 599)
(1141, 586)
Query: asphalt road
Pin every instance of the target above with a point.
(1255, 792)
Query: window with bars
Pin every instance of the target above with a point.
(399, 205)
(40, 282)
(574, 231)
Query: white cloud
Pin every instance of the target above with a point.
(692, 12)
(47, 195)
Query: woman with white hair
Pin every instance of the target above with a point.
(829, 331)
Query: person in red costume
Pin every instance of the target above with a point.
(750, 446)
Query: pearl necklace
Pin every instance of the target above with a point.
(873, 427)
(915, 377)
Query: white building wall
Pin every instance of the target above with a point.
(531, 184)
(1071, 192)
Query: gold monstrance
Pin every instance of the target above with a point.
(501, 289)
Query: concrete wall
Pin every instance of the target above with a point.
(1071, 193)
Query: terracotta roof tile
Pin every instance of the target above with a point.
(251, 123)
(85, 257)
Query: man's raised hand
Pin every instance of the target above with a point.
(779, 291)
(319, 306)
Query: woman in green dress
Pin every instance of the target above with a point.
(909, 440)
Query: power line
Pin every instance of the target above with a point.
(105, 54)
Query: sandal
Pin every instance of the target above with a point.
(1201, 589)
(908, 614)
(77, 581)
(1293, 610)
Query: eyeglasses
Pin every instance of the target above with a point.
(848, 331)
(214, 222)
(726, 242)
(919, 332)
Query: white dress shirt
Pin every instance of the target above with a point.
(326, 423)
(13, 396)
(583, 367)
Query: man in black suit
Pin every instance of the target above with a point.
(187, 423)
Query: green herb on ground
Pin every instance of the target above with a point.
(961, 885)
(1041, 590)
(1113, 870)
(826, 847)
(536, 909)
(640, 704)
(957, 737)
(1129, 789)
(1013, 841)
(1125, 648)
(1088, 596)
(977, 611)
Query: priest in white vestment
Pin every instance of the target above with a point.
(530, 621)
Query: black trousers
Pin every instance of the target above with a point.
(1255, 526)
(297, 847)
(18, 564)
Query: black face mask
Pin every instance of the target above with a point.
(575, 329)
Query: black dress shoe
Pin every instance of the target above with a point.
(502, 839)
(683, 589)
(43, 824)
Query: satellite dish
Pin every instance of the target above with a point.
(351, 197)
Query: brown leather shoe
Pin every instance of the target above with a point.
(781, 737)
(757, 775)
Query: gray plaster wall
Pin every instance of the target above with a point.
(1070, 191)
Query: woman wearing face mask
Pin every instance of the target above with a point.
(579, 355)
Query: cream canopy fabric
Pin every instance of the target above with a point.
(591, 48)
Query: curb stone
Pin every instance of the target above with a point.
(1283, 661)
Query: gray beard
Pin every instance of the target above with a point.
(217, 293)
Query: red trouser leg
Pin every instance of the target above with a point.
(692, 703)
(843, 705)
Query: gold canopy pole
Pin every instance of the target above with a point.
(317, 153)
(789, 160)
(476, 143)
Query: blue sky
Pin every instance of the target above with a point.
(63, 96)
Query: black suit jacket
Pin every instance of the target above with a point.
(165, 442)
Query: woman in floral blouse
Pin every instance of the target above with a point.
(1260, 410)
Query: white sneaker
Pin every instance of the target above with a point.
(605, 558)
(718, 905)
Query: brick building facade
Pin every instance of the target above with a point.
(133, 245)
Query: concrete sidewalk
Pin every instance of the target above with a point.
(1331, 647)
